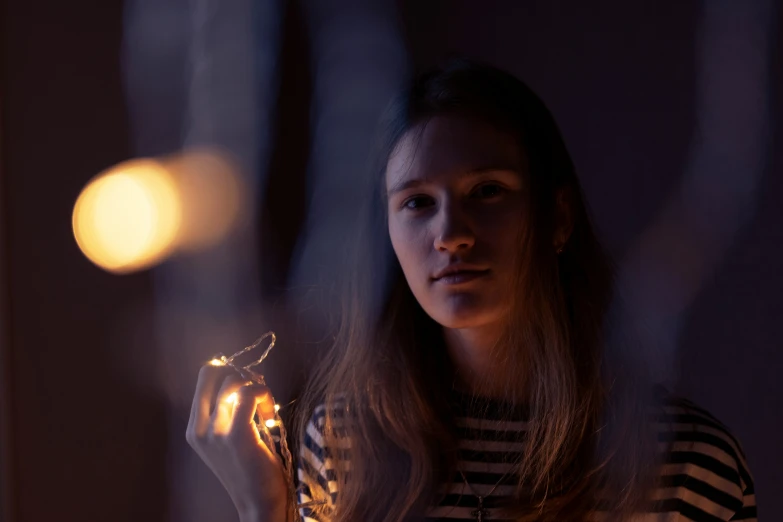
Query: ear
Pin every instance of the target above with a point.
(564, 217)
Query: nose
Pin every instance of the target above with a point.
(453, 231)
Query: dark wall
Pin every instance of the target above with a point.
(89, 443)
(77, 426)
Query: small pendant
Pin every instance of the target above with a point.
(480, 513)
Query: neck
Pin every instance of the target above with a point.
(476, 358)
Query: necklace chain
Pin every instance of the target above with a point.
(481, 513)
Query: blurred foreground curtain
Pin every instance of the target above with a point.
(224, 60)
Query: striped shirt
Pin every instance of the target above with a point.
(704, 476)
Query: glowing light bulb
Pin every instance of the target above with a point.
(232, 399)
(277, 408)
(216, 362)
(127, 218)
(270, 423)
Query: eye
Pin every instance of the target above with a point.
(489, 190)
(416, 202)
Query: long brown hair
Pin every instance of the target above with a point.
(386, 380)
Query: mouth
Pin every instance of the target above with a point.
(462, 276)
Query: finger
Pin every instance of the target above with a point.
(226, 402)
(209, 379)
(266, 409)
(250, 399)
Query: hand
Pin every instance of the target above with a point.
(222, 431)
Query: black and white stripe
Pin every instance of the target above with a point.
(704, 476)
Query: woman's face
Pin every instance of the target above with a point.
(457, 194)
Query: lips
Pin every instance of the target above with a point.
(459, 266)
(461, 276)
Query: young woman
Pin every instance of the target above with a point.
(482, 369)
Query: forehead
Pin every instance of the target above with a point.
(450, 145)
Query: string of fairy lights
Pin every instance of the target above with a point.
(278, 442)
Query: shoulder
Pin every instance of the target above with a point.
(318, 458)
(329, 415)
(325, 419)
(704, 465)
(688, 427)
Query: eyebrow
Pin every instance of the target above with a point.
(417, 182)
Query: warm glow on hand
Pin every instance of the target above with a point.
(232, 399)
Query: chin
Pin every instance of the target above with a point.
(458, 315)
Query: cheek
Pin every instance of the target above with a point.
(503, 232)
(399, 244)
(411, 250)
(503, 239)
